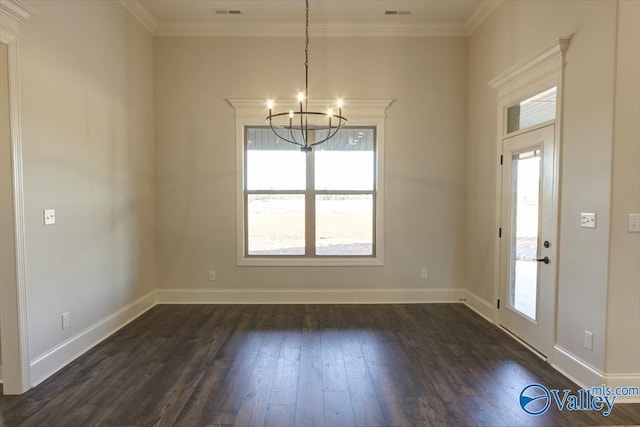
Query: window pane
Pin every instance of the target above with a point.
(344, 225)
(345, 162)
(273, 164)
(533, 111)
(275, 224)
(523, 288)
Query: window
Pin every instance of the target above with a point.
(533, 111)
(310, 204)
(323, 208)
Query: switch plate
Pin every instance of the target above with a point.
(588, 340)
(588, 220)
(212, 276)
(49, 216)
(634, 223)
(65, 320)
(424, 273)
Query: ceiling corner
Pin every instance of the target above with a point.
(480, 14)
(141, 14)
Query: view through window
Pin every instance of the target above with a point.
(320, 203)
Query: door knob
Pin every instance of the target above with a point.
(545, 260)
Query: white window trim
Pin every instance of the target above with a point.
(252, 112)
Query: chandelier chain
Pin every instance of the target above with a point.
(300, 120)
(306, 53)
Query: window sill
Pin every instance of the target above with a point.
(376, 261)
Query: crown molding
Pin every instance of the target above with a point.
(190, 29)
(12, 13)
(17, 10)
(141, 14)
(481, 13)
(255, 107)
(317, 30)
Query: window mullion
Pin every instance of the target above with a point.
(310, 201)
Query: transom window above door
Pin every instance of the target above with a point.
(533, 111)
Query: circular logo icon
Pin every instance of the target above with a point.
(535, 399)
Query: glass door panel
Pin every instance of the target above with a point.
(525, 219)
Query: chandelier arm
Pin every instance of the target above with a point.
(293, 138)
(279, 135)
(331, 134)
(303, 126)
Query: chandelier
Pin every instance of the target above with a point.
(294, 126)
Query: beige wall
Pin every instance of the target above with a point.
(424, 156)
(512, 32)
(96, 88)
(87, 131)
(623, 313)
(7, 239)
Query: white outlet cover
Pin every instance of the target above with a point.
(588, 220)
(49, 216)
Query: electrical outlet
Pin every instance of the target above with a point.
(212, 276)
(65, 320)
(588, 220)
(424, 273)
(588, 340)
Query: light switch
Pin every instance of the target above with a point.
(588, 220)
(634, 223)
(49, 216)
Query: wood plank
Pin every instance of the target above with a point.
(337, 409)
(280, 416)
(305, 365)
(310, 398)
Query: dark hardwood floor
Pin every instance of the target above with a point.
(303, 365)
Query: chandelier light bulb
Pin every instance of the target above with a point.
(300, 96)
(339, 102)
(291, 114)
(330, 112)
(270, 104)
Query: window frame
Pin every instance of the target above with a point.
(361, 113)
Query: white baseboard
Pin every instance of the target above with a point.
(574, 368)
(45, 365)
(312, 296)
(53, 360)
(587, 376)
(481, 306)
(624, 380)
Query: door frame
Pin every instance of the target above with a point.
(538, 72)
(14, 326)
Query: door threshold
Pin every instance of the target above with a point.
(524, 343)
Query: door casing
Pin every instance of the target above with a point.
(541, 70)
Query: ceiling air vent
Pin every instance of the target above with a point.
(228, 12)
(397, 12)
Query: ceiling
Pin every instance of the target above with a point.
(327, 17)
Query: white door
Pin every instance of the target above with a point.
(527, 246)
